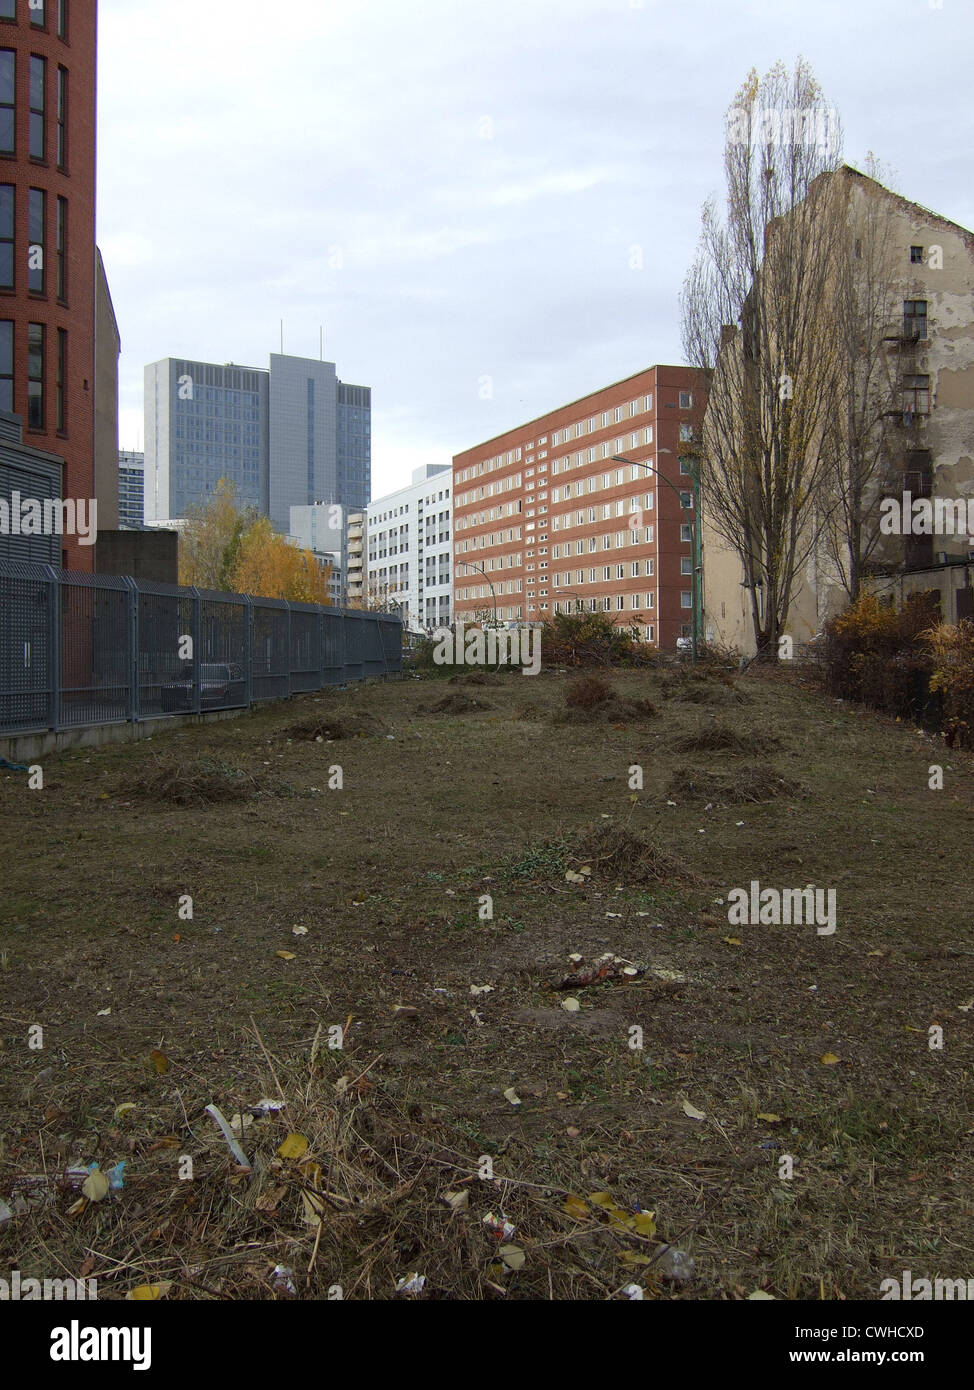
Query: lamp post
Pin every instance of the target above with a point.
(472, 565)
(694, 477)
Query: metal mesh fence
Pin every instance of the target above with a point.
(83, 649)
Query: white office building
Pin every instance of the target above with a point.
(409, 543)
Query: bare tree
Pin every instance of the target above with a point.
(755, 322)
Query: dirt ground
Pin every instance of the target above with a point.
(328, 965)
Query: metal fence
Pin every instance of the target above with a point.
(80, 649)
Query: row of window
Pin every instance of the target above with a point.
(37, 241)
(39, 11)
(37, 108)
(608, 417)
(36, 348)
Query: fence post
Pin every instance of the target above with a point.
(248, 650)
(382, 643)
(132, 643)
(343, 645)
(197, 636)
(54, 644)
(287, 609)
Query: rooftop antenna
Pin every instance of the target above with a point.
(321, 342)
(282, 337)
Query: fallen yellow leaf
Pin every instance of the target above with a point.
(829, 1059)
(286, 955)
(643, 1223)
(576, 1206)
(95, 1186)
(294, 1146)
(160, 1061)
(143, 1293)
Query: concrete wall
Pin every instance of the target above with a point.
(142, 554)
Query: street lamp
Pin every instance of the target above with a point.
(694, 535)
(472, 565)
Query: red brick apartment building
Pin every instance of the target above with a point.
(47, 237)
(545, 521)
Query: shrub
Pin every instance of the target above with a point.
(587, 692)
(875, 654)
(951, 650)
(593, 639)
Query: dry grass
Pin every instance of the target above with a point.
(714, 737)
(201, 783)
(745, 785)
(330, 728)
(458, 704)
(386, 882)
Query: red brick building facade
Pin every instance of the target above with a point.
(546, 521)
(47, 235)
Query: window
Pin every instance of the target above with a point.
(62, 117)
(35, 376)
(686, 400)
(8, 9)
(916, 395)
(6, 364)
(38, 85)
(62, 364)
(7, 206)
(686, 436)
(686, 501)
(8, 83)
(685, 534)
(36, 219)
(62, 19)
(37, 15)
(686, 564)
(914, 318)
(916, 255)
(686, 599)
(62, 241)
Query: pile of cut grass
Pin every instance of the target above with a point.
(714, 737)
(750, 784)
(205, 782)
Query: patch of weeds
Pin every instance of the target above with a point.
(543, 861)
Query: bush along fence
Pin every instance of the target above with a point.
(905, 662)
(83, 649)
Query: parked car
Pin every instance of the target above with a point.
(216, 679)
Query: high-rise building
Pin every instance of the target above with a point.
(203, 422)
(546, 519)
(408, 540)
(53, 361)
(290, 436)
(131, 488)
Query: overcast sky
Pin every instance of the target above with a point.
(454, 189)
